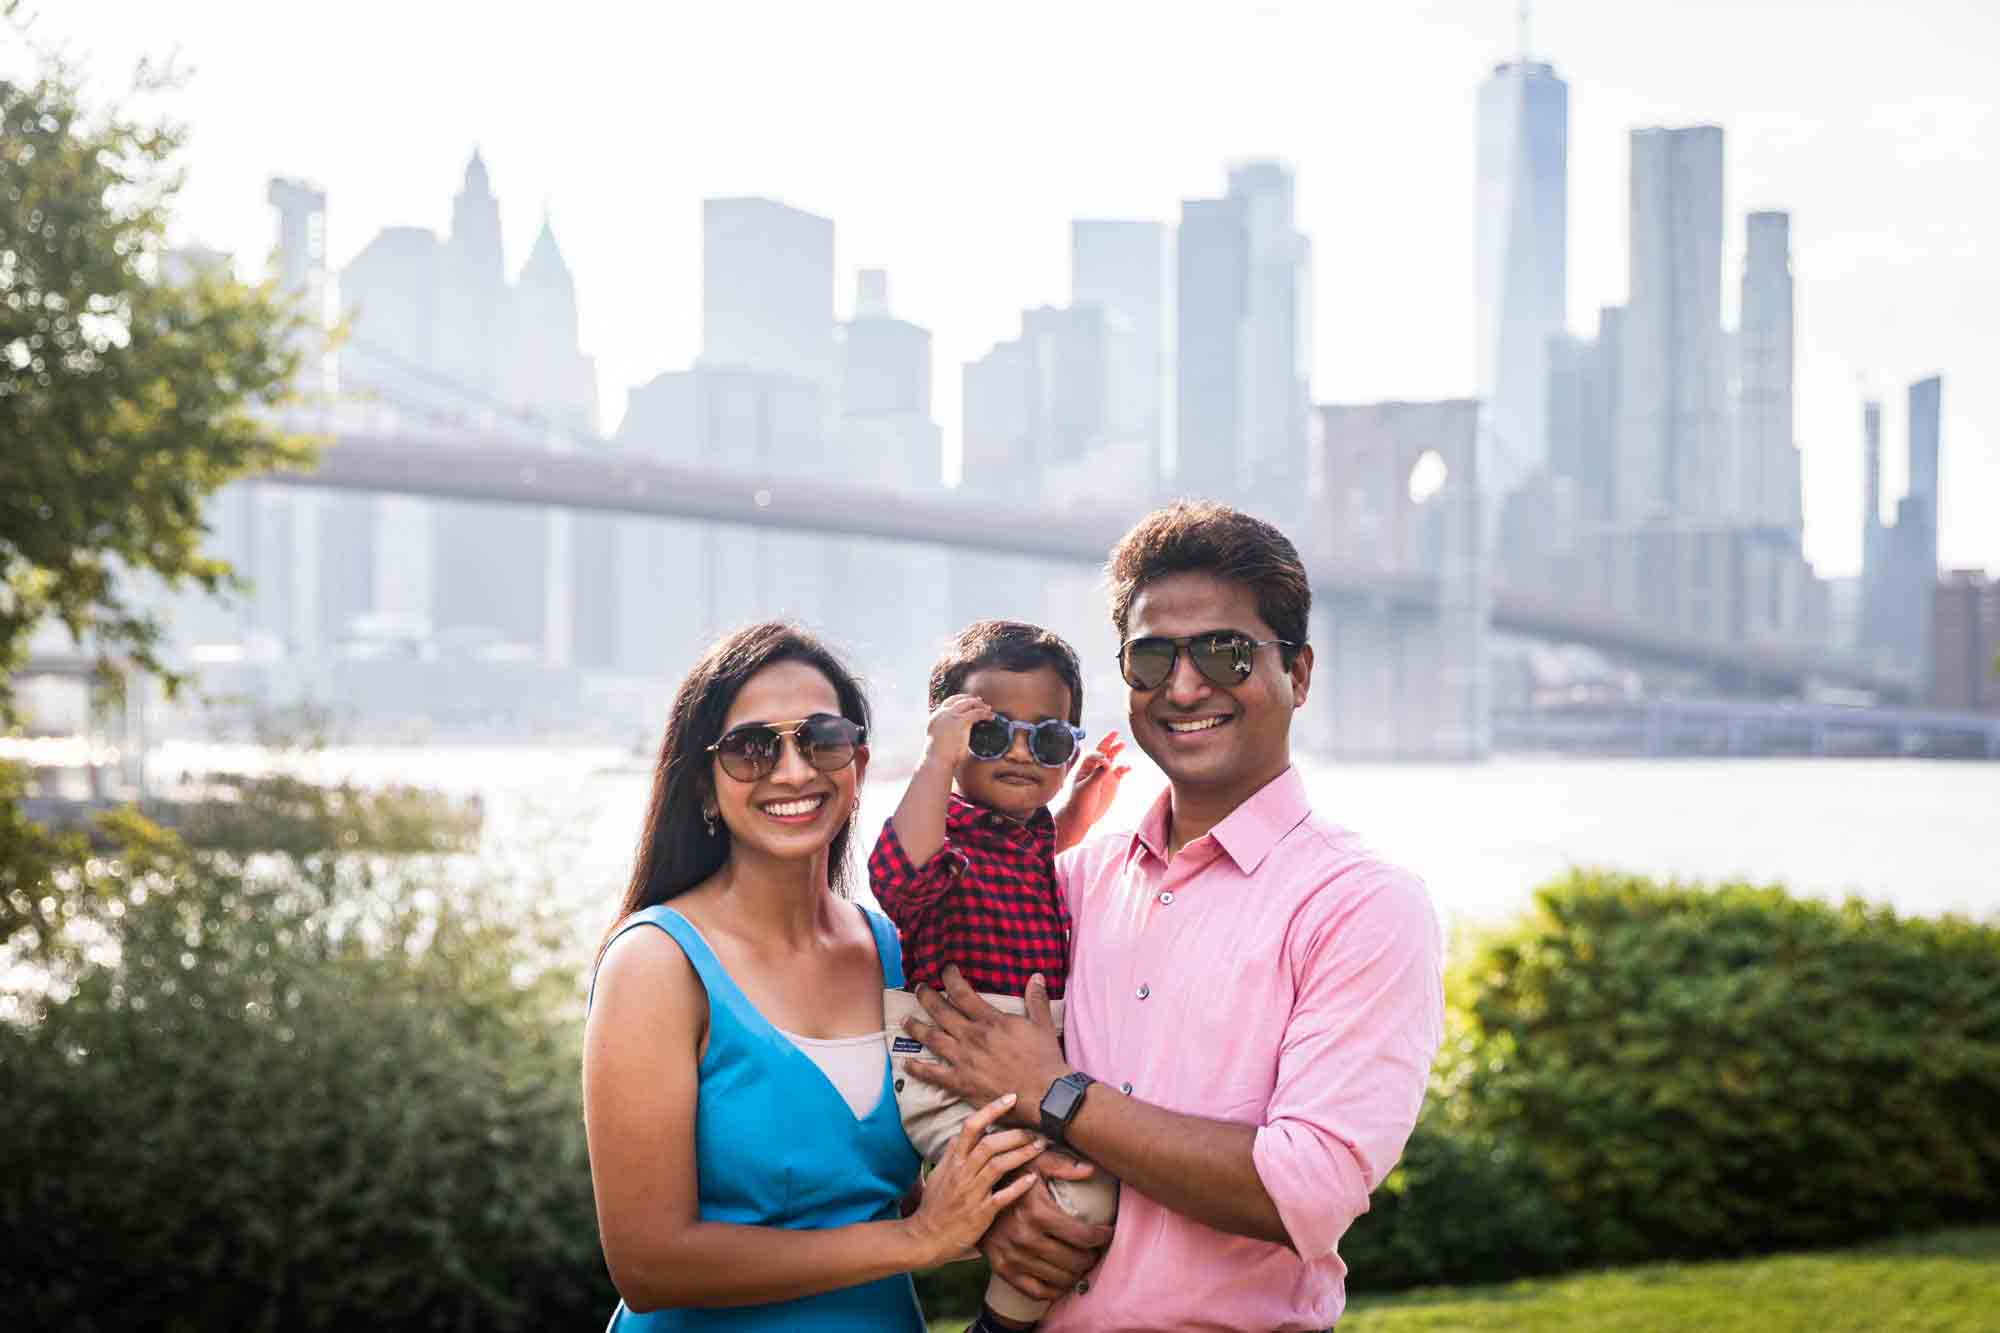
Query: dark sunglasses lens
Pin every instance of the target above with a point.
(989, 739)
(828, 743)
(1223, 658)
(1053, 744)
(1147, 663)
(749, 754)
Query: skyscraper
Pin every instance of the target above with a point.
(1965, 637)
(886, 435)
(1925, 401)
(1871, 484)
(1583, 414)
(1043, 411)
(1672, 433)
(767, 290)
(1874, 538)
(1767, 457)
(1899, 575)
(490, 563)
(551, 375)
(1522, 258)
(998, 410)
(1243, 348)
(1127, 268)
(1916, 538)
(475, 286)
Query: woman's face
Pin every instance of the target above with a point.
(794, 811)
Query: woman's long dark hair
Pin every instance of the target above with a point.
(676, 850)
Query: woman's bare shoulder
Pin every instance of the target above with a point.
(646, 968)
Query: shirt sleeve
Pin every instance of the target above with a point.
(909, 894)
(1355, 1059)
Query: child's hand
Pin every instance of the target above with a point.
(951, 725)
(1091, 792)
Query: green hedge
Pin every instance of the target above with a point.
(1708, 1072)
(1459, 1207)
(265, 1093)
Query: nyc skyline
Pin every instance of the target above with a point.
(953, 146)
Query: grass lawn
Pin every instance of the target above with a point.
(1946, 1282)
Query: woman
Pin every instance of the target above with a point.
(744, 1143)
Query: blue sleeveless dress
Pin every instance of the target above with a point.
(777, 1146)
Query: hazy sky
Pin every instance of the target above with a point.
(951, 143)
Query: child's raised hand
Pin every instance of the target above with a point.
(1091, 791)
(951, 725)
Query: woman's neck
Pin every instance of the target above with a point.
(787, 901)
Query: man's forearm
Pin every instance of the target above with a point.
(1202, 1169)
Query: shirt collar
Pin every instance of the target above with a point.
(1247, 833)
(965, 817)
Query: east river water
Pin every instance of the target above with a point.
(1921, 836)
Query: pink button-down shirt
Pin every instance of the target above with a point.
(1274, 973)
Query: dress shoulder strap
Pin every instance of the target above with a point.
(888, 948)
(706, 965)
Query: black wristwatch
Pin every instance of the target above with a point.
(1061, 1103)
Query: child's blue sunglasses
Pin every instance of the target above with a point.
(1053, 742)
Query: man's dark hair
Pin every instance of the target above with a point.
(1011, 646)
(1200, 536)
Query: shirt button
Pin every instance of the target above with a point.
(1125, 1088)
(1167, 898)
(1144, 990)
(1083, 1287)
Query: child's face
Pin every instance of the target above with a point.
(1014, 784)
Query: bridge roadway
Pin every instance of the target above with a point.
(615, 482)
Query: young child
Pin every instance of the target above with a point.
(966, 865)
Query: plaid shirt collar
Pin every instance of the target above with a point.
(966, 822)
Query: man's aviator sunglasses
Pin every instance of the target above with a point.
(1223, 656)
(1052, 742)
(824, 741)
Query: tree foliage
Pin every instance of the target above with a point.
(290, 1088)
(128, 392)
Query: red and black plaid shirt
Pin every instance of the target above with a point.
(987, 901)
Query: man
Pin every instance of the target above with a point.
(1255, 999)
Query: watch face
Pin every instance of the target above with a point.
(1062, 1099)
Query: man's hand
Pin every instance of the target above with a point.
(1036, 1246)
(983, 1048)
(1091, 791)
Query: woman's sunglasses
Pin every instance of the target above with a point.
(1053, 742)
(826, 742)
(1223, 656)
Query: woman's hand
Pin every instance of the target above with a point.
(963, 1193)
(1091, 791)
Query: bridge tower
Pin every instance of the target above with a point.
(1401, 671)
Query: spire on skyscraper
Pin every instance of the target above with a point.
(476, 180)
(545, 261)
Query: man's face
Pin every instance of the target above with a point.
(1204, 735)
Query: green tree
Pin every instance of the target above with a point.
(126, 398)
